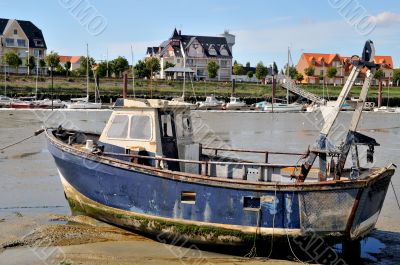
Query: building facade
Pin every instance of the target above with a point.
(23, 38)
(198, 52)
(322, 61)
(74, 60)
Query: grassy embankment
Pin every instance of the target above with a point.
(112, 88)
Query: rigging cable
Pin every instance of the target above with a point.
(395, 195)
(23, 140)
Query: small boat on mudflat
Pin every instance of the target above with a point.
(145, 173)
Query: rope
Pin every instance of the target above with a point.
(395, 195)
(253, 250)
(23, 140)
(290, 245)
(273, 228)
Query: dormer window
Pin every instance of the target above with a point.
(224, 51)
(38, 43)
(313, 62)
(212, 50)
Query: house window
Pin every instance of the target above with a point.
(313, 62)
(21, 43)
(15, 32)
(189, 62)
(36, 52)
(38, 43)
(321, 72)
(178, 60)
(224, 64)
(10, 42)
(140, 128)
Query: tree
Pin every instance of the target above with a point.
(42, 63)
(141, 71)
(52, 61)
(212, 69)
(30, 63)
(67, 67)
(396, 76)
(13, 60)
(250, 74)
(275, 70)
(299, 77)
(331, 72)
(168, 65)
(101, 70)
(379, 74)
(153, 65)
(84, 62)
(237, 69)
(261, 71)
(119, 65)
(309, 71)
(292, 71)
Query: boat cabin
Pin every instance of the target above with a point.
(155, 128)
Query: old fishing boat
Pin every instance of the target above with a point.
(145, 173)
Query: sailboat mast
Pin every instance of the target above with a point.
(133, 73)
(184, 70)
(288, 73)
(87, 72)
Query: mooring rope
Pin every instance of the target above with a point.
(253, 250)
(23, 140)
(395, 195)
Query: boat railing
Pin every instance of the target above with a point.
(266, 154)
(209, 168)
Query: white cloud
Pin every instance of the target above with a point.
(386, 18)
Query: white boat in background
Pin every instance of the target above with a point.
(386, 109)
(5, 102)
(210, 103)
(235, 104)
(83, 103)
(283, 107)
(48, 103)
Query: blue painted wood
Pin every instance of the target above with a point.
(143, 193)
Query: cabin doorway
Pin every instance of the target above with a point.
(168, 138)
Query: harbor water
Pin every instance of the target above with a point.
(31, 194)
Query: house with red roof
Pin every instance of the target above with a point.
(322, 61)
(75, 61)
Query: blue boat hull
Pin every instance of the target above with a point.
(224, 212)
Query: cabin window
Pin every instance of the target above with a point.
(140, 128)
(188, 197)
(119, 127)
(166, 122)
(251, 203)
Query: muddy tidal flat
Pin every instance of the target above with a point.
(35, 222)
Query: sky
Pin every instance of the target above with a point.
(264, 29)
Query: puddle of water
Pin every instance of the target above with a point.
(370, 247)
